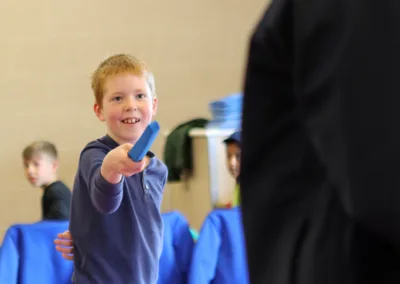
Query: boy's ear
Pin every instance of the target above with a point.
(98, 110)
(55, 165)
(155, 106)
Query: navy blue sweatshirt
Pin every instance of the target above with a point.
(117, 228)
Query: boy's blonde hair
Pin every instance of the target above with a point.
(119, 64)
(40, 147)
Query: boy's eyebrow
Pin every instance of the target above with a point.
(123, 93)
(118, 93)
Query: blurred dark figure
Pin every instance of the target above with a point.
(321, 143)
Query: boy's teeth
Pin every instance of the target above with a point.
(134, 120)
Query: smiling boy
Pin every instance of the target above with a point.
(116, 223)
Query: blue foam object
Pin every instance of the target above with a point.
(142, 146)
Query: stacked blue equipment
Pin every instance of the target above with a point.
(226, 112)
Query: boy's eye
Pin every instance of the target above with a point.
(117, 99)
(141, 96)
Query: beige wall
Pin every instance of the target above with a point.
(49, 48)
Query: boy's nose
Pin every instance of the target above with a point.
(29, 169)
(130, 104)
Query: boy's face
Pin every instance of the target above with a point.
(128, 107)
(233, 158)
(40, 170)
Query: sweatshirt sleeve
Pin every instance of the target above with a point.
(106, 197)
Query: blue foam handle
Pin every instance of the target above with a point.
(142, 146)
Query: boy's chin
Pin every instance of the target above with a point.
(35, 184)
(234, 174)
(133, 138)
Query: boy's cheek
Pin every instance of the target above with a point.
(232, 172)
(238, 171)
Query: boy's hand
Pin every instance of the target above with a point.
(64, 245)
(117, 164)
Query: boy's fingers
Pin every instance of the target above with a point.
(65, 249)
(65, 243)
(68, 256)
(66, 235)
(127, 147)
(140, 166)
(130, 167)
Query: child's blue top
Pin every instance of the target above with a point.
(117, 228)
(219, 256)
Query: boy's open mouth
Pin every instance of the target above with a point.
(130, 120)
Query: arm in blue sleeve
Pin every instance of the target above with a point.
(106, 197)
(205, 254)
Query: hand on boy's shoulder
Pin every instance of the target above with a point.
(117, 164)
